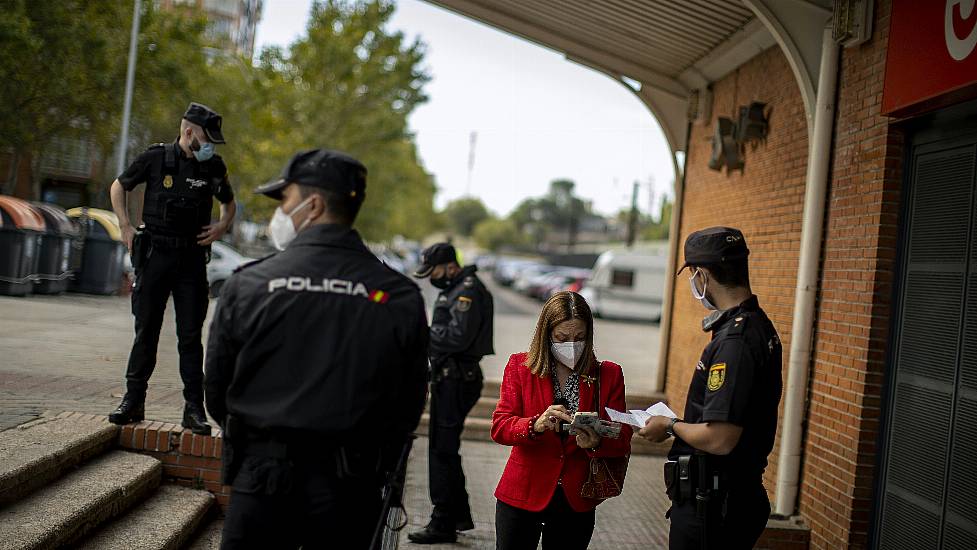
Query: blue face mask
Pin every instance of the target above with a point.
(204, 152)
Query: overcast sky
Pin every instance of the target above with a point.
(538, 116)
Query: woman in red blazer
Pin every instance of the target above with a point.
(539, 493)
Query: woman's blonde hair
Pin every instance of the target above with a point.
(561, 307)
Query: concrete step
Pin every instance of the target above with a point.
(484, 407)
(166, 521)
(209, 537)
(34, 454)
(65, 511)
(480, 429)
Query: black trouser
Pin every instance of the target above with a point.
(451, 400)
(288, 504)
(181, 272)
(747, 510)
(561, 527)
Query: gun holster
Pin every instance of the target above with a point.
(141, 248)
(231, 460)
(359, 462)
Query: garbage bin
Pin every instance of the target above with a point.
(102, 255)
(21, 228)
(54, 263)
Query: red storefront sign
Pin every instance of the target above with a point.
(932, 57)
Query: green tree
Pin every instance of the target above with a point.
(348, 84)
(495, 234)
(56, 58)
(658, 230)
(462, 215)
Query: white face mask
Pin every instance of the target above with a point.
(568, 353)
(701, 296)
(282, 229)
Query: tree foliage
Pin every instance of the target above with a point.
(348, 83)
(462, 215)
(495, 234)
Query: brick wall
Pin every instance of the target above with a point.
(853, 314)
(766, 201)
(188, 459)
(857, 274)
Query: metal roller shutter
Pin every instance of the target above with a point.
(928, 481)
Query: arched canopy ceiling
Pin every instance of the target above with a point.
(670, 47)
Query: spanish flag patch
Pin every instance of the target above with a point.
(379, 297)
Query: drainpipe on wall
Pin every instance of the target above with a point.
(665, 332)
(818, 165)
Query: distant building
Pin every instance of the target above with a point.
(231, 23)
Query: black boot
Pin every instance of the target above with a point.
(432, 534)
(130, 410)
(195, 419)
(465, 524)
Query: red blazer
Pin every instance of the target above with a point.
(537, 463)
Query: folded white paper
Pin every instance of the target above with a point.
(637, 417)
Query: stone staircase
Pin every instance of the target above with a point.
(478, 425)
(64, 482)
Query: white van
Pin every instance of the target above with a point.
(627, 284)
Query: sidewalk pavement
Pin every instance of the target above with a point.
(633, 521)
(69, 353)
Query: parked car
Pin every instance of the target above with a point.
(569, 279)
(627, 285)
(530, 275)
(507, 270)
(224, 259)
(486, 262)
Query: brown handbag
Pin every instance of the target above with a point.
(605, 478)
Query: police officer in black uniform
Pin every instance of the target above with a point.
(316, 369)
(171, 252)
(461, 334)
(714, 473)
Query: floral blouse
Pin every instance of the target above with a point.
(570, 391)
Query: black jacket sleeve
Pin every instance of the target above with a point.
(222, 186)
(222, 351)
(413, 393)
(138, 171)
(462, 326)
(729, 382)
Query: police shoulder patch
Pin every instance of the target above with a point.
(463, 303)
(717, 376)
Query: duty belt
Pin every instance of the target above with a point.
(691, 476)
(171, 242)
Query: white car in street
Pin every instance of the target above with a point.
(224, 259)
(627, 285)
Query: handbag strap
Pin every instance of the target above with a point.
(597, 389)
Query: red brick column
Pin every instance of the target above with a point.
(188, 459)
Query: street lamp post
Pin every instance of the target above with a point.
(120, 157)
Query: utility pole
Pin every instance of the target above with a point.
(472, 139)
(633, 219)
(122, 145)
(120, 161)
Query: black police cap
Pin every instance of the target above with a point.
(714, 245)
(325, 168)
(435, 255)
(206, 118)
